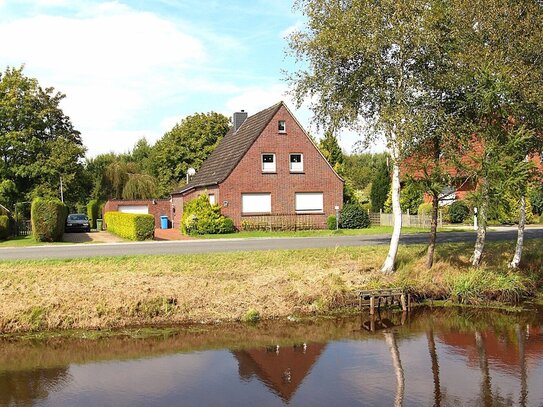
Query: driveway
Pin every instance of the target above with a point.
(229, 245)
(94, 237)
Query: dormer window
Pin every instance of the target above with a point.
(281, 126)
(296, 162)
(268, 162)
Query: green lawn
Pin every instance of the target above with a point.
(373, 230)
(22, 241)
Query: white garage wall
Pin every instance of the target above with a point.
(137, 209)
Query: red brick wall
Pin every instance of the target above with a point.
(156, 207)
(247, 177)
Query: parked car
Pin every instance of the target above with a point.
(77, 222)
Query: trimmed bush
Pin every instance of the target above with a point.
(48, 219)
(331, 222)
(130, 226)
(201, 218)
(4, 227)
(93, 208)
(458, 212)
(354, 217)
(425, 209)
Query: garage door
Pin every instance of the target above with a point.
(138, 209)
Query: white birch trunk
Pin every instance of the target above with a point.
(398, 370)
(390, 261)
(520, 234)
(481, 227)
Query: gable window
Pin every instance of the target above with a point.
(309, 202)
(268, 162)
(296, 162)
(256, 203)
(281, 126)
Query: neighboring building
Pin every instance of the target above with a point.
(155, 207)
(266, 166)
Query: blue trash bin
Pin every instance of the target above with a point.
(164, 222)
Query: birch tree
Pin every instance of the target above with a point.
(363, 64)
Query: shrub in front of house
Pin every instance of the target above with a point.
(425, 209)
(458, 212)
(48, 219)
(202, 218)
(93, 208)
(331, 222)
(353, 216)
(130, 226)
(4, 227)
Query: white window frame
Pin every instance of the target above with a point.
(212, 199)
(302, 200)
(268, 167)
(296, 167)
(255, 202)
(284, 129)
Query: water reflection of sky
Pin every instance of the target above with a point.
(473, 369)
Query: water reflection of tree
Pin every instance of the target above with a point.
(25, 388)
(398, 370)
(522, 364)
(435, 366)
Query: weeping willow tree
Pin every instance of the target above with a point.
(140, 186)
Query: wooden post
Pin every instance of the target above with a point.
(360, 301)
(402, 300)
(372, 305)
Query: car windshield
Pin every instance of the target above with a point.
(77, 217)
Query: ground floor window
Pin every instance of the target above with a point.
(309, 202)
(212, 199)
(256, 203)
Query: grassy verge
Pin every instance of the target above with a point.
(373, 230)
(22, 241)
(153, 290)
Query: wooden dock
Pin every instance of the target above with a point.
(387, 297)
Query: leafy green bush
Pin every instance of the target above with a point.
(425, 208)
(458, 211)
(354, 217)
(4, 227)
(331, 222)
(536, 198)
(93, 208)
(48, 219)
(411, 197)
(130, 226)
(507, 210)
(201, 218)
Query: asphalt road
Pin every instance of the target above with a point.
(231, 245)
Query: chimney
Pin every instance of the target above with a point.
(238, 118)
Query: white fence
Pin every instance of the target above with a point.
(421, 220)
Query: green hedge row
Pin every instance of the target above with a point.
(48, 219)
(4, 227)
(93, 210)
(130, 226)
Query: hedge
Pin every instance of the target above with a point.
(4, 227)
(353, 216)
(458, 212)
(93, 208)
(201, 218)
(48, 219)
(130, 226)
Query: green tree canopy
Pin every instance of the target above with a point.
(187, 145)
(38, 143)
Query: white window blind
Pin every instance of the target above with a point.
(268, 162)
(296, 162)
(212, 200)
(309, 202)
(256, 203)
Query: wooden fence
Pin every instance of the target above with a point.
(408, 220)
(24, 228)
(283, 222)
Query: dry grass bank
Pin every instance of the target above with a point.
(151, 290)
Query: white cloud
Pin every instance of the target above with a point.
(112, 64)
(289, 30)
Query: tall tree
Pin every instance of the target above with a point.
(187, 145)
(38, 143)
(364, 63)
(380, 186)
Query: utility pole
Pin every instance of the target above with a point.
(61, 191)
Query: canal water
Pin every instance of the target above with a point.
(439, 357)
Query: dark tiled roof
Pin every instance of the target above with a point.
(231, 149)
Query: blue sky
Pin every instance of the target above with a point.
(132, 69)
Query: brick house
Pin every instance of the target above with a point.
(266, 166)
